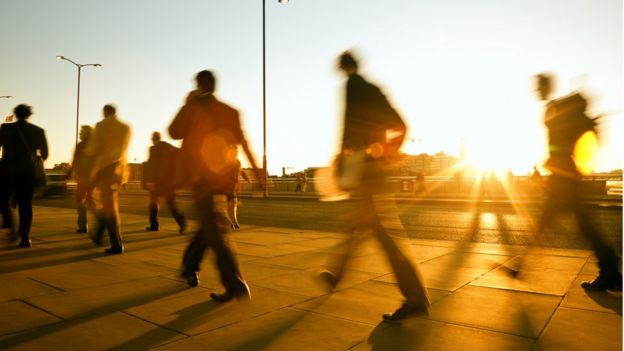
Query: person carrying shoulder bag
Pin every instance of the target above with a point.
(24, 148)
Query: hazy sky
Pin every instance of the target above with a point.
(454, 68)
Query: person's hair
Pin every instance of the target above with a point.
(206, 80)
(544, 78)
(87, 130)
(156, 136)
(109, 110)
(22, 111)
(347, 61)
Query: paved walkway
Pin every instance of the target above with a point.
(65, 294)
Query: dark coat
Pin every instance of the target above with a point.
(15, 154)
(159, 167)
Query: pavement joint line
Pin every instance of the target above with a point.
(518, 291)
(46, 284)
(336, 317)
(588, 310)
(478, 327)
(41, 309)
(153, 323)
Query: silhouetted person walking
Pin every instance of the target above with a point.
(159, 182)
(368, 118)
(566, 121)
(211, 131)
(232, 195)
(22, 143)
(81, 169)
(108, 149)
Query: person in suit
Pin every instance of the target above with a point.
(566, 121)
(211, 132)
(108, 148)
(22, 142)
(368, 119)
(159, 182)
(80, 170)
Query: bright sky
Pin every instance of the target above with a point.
(454, 68)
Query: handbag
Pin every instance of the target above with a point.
(350, 169)
(39, 170)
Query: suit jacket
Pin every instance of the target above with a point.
(159, 166)
(81, 163)
(368, 115)
(211, 131)
(108, 147)
(16, 157)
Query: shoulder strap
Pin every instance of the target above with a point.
(30, 152)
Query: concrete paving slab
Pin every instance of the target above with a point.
(572, 330)
(420, 334)
(17, 316)
(365, 302)
(103, 299)
(286, 329)
(443, 278)
(115, 331)
(262, 237)
(512, 312)
(539, 273)
(300, 260)
(537, 280)
(307, 283)
(13, 259)
(198, 313)
(17, 286)
(422, 253)
(261, 250)
(598, 301)
(376, 263)
(88, 274)
(467, 260)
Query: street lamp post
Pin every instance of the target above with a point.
(264, 158)
(79, 66)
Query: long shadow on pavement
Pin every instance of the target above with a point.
(129, 302)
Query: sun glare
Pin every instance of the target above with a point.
(586, 152)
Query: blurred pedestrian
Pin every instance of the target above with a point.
(80, 170)
(232, 196)
(368, 122)
(211, 132)
(566, 121)
(24, 147)
(108, 149)
(159, 182)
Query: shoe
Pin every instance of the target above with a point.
(152, 229)
(81, 230)
(114, 250)
(405, 311)
(25, 243)
(329, 278)
(192, 279)
(602, 284)
(242, 293)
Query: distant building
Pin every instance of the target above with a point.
(425, 163)
(136, 172)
